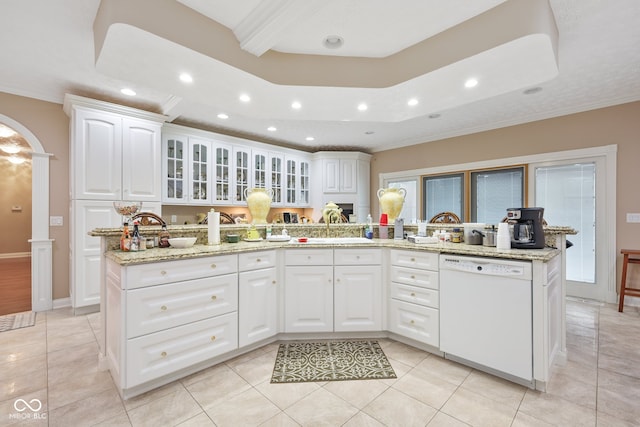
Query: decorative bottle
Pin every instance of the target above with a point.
(125, 240)
(163, 237)
(135, 239)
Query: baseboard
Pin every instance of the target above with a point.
(61, 303)
(15, 255)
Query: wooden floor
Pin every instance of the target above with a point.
(15, 285)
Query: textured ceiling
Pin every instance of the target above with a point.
(583, 54)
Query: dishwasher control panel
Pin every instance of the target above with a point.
(486, 266)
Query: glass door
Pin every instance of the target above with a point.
(199, 171)
(291, 182)
(305, 189)
(241, 163)
(276, 173)
(570, 193)
(174, 152)
(222, 165)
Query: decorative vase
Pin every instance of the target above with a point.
(259, 203)
(391, 201)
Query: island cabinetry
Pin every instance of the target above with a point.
(309, 290)
(258, 297)
(414, 302)
(358, 290)
(168, 316)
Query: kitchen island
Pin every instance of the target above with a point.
(167, 313)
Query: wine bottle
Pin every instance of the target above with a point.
(163, 237)
(135, 239)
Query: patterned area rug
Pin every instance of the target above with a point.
(17, 321)
(330, 361)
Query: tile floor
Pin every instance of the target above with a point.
(55, 362)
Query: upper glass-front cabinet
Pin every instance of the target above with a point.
(276, 171)
(305, 190)
(186, 165)
(222, 182)
(259, 169)
(292, 182)
(241, 164)
(174, 150)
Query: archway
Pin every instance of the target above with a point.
(41, 244)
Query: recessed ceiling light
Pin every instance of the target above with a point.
(333, 42)
(223, 116)
(186, 78)
(272, 128)
(6, 131)
(128, 92)
(532, 90)
(310, 138)
(296, 105)
(434, 115)
(245, 98)
(472, 82)
(362, 107)
(10, 149)
(412, 102)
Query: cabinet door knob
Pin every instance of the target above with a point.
(163, 272)
(213, 266)
(357, 256)
(412, 322)
(213, 297)
(163, 354)
(213, 338)
(163, 308)
(413, 260)
(413, 277)
(413, 294)
(273, 282)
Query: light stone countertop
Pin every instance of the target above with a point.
(201, 249)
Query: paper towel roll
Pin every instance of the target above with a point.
(213, 227)
(503, 239)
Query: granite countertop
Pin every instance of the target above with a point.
(199, 250)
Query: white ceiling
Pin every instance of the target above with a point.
(273, 50)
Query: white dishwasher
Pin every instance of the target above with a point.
(486, 315)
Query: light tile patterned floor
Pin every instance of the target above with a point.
(55, 362)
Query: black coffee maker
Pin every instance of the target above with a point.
(527, 228)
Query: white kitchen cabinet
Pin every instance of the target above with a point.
(222, 182)
(186, 170)
(165, 317)
(297, 179)
(113, 156)
(309, 290)
(414, 296)
(342, 178)
(357, 290)
(276, 178)
(241, 173)
(258, 297)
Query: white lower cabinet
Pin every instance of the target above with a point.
(161, 353)
(323, 295)
(157, 324)
(357, 290)
(414, 296)
(258, 297)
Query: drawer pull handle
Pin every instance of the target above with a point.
(213, 266)
(413, 294)
(357, 256)
(163, 272)
(163, 354)
(163, 308)
(258, 260)
(412, 322)
(213, 338)
(413, 260)
(308, 256)
(213, 297)
(413, 277)
(273, 282)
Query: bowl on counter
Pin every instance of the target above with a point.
(233, 238)
(182, 242)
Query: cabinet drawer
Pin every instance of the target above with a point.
(256, 260)
(415, 259)
(415, 295)
(415, 277)
(155, 355)
(139, 276)
(358, 256)
(161, 307)
(309, 257)
(415, 322)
